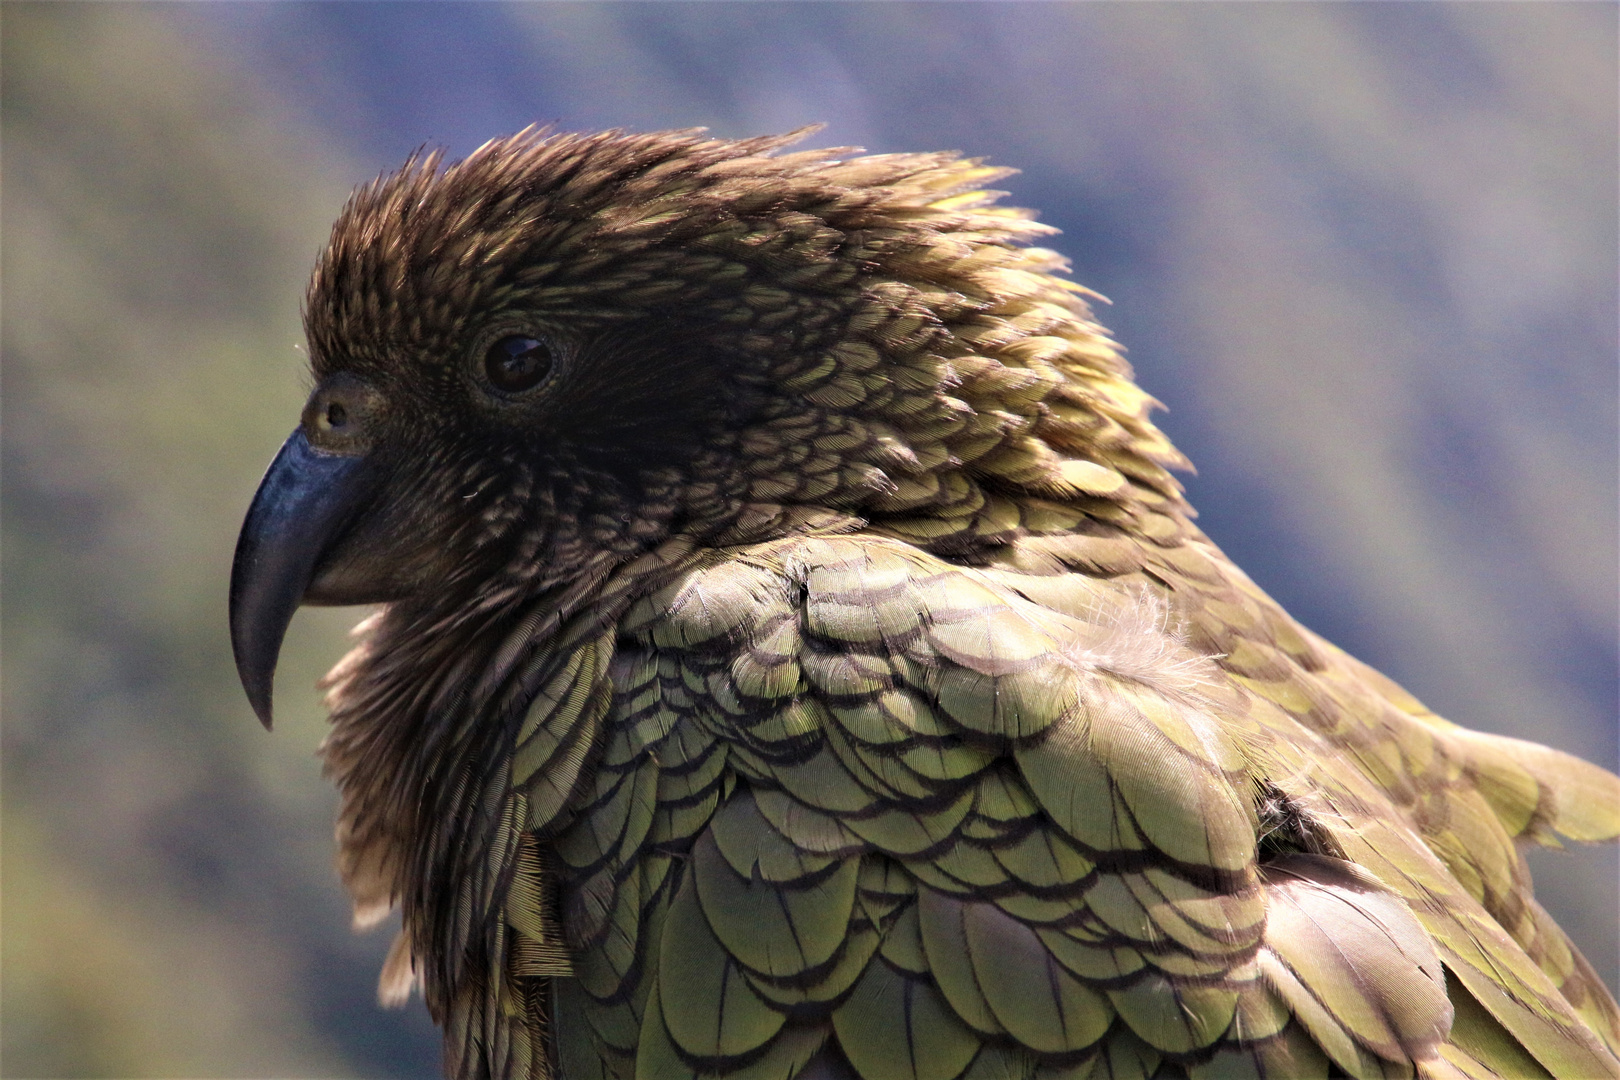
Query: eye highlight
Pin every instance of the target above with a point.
(517, 363)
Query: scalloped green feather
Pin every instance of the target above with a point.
(1040, 1003)
(706, 1003)
(894, 1027)
(777, 929)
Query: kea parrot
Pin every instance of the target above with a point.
(795, 658)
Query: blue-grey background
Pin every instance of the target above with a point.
(1365, 252)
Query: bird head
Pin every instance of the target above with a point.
(565, 350)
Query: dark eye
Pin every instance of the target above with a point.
(517, 363)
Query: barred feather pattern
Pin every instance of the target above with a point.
(906, 728)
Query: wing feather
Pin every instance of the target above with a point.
(915, 819)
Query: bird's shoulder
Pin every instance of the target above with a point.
(1075, 770)
(858, 822)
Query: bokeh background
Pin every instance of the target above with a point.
(1366, 253)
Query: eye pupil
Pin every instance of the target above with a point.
(517, 363)
(336, 415)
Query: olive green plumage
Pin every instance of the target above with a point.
(817, 673)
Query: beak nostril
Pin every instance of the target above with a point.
(341, 413)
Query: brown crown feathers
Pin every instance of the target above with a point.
(742, 332)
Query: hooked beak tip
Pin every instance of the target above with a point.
(258, 697)
(304, 501)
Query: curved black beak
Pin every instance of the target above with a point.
(305, 501)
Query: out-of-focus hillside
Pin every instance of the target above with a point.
(1366, 253)
(168, 908)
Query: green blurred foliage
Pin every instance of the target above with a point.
(159, 224)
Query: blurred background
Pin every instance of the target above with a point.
(1366, 253)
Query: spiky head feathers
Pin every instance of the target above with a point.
(742, 341)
